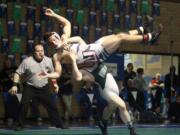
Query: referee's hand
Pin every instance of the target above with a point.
(13, 90)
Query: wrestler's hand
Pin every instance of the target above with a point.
(49, 12)
(13, 90)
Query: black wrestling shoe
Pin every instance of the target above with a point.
(18, 127)
(148, 24)
(103, 126)
(133, 131)
(62, 126)
(156, 33)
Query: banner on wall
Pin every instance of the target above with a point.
(154, 61)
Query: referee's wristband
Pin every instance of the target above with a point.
(15, 83)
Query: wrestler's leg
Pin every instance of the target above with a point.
(147, 27)
(112, 42)
(111, 94)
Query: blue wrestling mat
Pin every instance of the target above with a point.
(112, 130)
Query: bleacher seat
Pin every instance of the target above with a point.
(23, 29)
(31, 12)
(5, 45)
(17, 12)
(145, 7)
(138, 21)
(110, 5)
(104, 18)
(80, 17)
(75, 30)
(156, 9)
(11, 27)
(127, 22)
(76, 4)
(3, 10)
(92, 18)
(16, 45)
(37, 29)
(70, 14)
(29, 47)
(133, 7)
(122, 7)
(116, 20)
(98, 33)
(85, 33)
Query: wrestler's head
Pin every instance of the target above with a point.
(53, 39)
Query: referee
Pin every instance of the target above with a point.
(34, 88)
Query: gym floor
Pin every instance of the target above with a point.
(93, 130)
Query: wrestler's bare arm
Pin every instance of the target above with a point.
(76, 39)
(62, 20)
(57, 69)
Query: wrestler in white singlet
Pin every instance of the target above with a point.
(91, 58)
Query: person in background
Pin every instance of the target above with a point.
(170, 82)
(157, 86)
(171, 86)
(140, 84)
(129, 74)
(174, 110)
(11, 103)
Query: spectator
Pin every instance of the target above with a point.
(174, 110)
(129, 74)
(171, 82)
(11, 102)
(157, 86)
(141, 86)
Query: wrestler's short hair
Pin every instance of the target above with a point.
(47, 35)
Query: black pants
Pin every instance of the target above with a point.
(11, 105)
(44, 96)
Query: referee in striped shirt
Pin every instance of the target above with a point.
(35, 88)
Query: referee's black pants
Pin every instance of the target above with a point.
(44, 96)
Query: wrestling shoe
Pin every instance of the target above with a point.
(156, 33)
(18, 127)
(62, 126)
(148, 24)
(132, 131)
(103, 126)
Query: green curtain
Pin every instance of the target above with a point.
(145, 7)
(80, 17)
(17, 12)
(16, 45)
